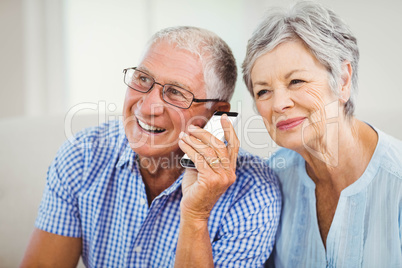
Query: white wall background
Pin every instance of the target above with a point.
(57, 54)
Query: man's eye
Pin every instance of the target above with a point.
(174, 91)
(144, 79)
(176, 94)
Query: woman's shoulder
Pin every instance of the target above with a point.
(391, 158)
(283, 159)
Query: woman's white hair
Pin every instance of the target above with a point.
(219, 65)
(325, 34)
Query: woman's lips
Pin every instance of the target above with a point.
(290, 123)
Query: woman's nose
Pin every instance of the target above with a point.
(282, 100)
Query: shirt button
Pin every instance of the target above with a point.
(143, 201)
(137, 249)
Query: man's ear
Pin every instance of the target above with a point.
(221, 106)
(346, 81)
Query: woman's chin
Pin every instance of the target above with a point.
(290, 140)
(290, 143)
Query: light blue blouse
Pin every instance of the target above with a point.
(367, 227)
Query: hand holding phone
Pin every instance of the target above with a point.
(215, 165)
(215, 128)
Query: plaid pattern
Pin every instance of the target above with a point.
(94, 191)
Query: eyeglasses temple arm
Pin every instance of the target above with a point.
(205, 100)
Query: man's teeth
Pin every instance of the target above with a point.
(150, 128)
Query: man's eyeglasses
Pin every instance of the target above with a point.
(172, 94)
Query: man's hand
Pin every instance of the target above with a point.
(215, 168)
(215, 165)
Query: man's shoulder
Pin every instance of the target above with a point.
(96, 139)
(82, 158)
(88, 145)
(256, 189)
(254, 170)
(104, 134)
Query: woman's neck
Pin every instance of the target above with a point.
(343, 156)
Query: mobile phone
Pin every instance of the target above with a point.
(213, 126)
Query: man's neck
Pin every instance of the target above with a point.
(158, 174)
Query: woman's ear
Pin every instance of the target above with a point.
(346, 81)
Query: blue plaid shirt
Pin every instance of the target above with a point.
(95, 191)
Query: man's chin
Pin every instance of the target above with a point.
(154, 150)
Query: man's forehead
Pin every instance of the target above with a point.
(169, 64)
(172, 80)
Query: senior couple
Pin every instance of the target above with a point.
(337, 201)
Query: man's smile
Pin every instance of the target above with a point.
(150, 128)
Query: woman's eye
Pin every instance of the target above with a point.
(296, 81)
(263, 93)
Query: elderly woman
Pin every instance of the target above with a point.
(342, 178)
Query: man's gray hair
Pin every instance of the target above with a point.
(219, 65)
(325, 34)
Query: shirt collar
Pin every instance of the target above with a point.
(174, 186)
(127, 154)
(129, 157)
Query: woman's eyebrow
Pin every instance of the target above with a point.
(293, 71)
(260, 83)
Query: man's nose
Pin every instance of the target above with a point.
(152, 102)
(282, 100)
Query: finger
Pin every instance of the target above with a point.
(200, 147)
(218, 146)
(201, 164)
(232, 140)
(206, 137)
(189, 178)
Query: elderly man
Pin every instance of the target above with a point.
(118, 195)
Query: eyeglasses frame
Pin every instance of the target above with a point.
(163, 89)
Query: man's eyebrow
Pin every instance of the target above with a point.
(175, 83)
(170, 82)
(144, 69)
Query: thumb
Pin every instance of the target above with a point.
(190, 172)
